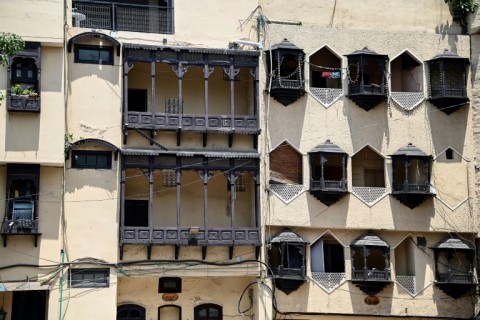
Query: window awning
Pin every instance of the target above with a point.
(191, 153)
(452, 243)
(287, 236)
(87, 35)
(371, 240)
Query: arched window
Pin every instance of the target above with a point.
(130, 312)
(169, 312)
(208, 311)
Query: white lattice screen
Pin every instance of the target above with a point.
(329, 281)
(286, 192)
(369, 195)
(407, 100)
(408, 283)
(327, 96)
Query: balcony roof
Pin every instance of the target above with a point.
(93, 35)
(452, 243)
(410, 151)
(190, 153)
(446, 54)
(366, 51)
(328, 147)
(369, 239)
(285, 45)
(255, 53)
(287, 236)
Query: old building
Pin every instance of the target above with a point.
(205, 160)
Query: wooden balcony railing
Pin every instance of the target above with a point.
(183, 236)
(455, 277)
(192, 122)
(370, 275)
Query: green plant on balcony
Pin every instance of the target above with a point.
(10, 45)
(18, 90)
(460, 10)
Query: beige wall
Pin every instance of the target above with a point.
(34, 20)
(28, 137)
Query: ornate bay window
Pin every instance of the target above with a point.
(448, 81)
(286, 76)
(328, 173)
(198, 209)
(367, 78)
(411, 176)
(23, 86)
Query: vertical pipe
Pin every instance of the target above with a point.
(150, 197)
(61, 286)
(205, 196)
(179, 176)
(232, 192)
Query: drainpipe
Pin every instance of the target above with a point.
(61, 287)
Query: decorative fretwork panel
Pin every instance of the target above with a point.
(408, 283)
(286, 192)
(327, 96)
(369, 195)
(407, 100)
(328, 281)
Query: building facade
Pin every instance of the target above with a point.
(250, 159)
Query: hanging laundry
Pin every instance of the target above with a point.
(326, 74)
(336, 75)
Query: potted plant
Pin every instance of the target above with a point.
(23, 99)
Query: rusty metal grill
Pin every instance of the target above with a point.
(124, 17)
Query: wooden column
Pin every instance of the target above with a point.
(207, 71)
(122, 197)
(258, 221)
(125, 100)
(232, 178)
(205, 196)
(232, 96)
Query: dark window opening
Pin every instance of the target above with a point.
(327, 256)
(325, 70)
(22, 194)
(208, 311)
(83, 159)
(130, 312)
(416, 174)
(93, 54)
(407, 74)
(287, 259)
(137, 100)
(289, 67)
(136, 213)
(29, 305)
(449, 154)
(89, 278)
(332, 167)
(170, 285)
(25, 74)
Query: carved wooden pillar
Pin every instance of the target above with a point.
(322, 175)
(122, 196)
(344, 171)
(257, 200)
(207, 71)
(180, 71)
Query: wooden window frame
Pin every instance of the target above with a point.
(76, 165)
(96, 48)
(103, 272)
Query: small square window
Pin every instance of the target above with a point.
(89, 278)
(82, 159)
(93, 54)
(170, 285)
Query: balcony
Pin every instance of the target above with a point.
(23, 103)
(20, 220)
(370, 275)
(123, 16)
(189, 199)
(195, 90)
